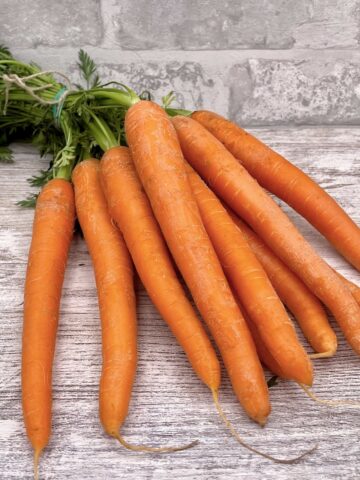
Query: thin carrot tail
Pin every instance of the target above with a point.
(37, 453)
(144, 448)
(328, 354)
(329, 403)
(249, 447)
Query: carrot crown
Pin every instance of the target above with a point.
(67, 121)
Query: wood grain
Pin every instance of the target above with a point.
(170, 405)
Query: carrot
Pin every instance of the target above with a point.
(157, 156)
(240, 191)
(114, 282)
(289, 183)
(265, 355)
(354, 289)
(51, 238)
(130, 208)
(269, 361)
(251, 284)
(305, 307)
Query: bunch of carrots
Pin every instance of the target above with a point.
(173, 186)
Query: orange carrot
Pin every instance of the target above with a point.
(265, 356)
(130, 208)
(289, 183)
(159, 162)
(251, 284)
(268, 360)
(354, 289)
(305, 307)
(114, 282)
(51, 238)
(239, 190)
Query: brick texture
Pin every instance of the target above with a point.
(301, 92)
(264, 62)
(29, 24)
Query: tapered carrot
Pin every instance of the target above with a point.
(130, 208)
(269, 361)
(115, 290)
(114, 282)
(305, 307)
(251, 284)
(51, 238)
(289, 183)
(160, 165)
(239, 190)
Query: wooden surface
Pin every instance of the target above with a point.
(169, 404)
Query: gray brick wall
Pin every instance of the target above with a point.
(261, 62)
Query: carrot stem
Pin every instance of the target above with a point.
(172, 112)
(65, 158)
(101, 132)
(124, 99)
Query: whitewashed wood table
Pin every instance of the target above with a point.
(169, 405)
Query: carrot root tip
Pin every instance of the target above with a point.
(144, 448)
(329, 403)
(249, 447)
(37, 454)
(328, 354)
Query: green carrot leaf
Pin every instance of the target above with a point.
(29, 202)
(6, 155)
(41, 178)
(168, 99)
(88, 70)
(4, 52)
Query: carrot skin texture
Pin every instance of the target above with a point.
(132, 212)
(52, 232)
(289, 183)
(354, 289)
(160, 165)
(114, 281)
(243, 194)
(251, 284)
(305, 307)
(265, 356)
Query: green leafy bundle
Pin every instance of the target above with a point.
(60, 118)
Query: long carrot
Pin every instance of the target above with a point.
(131, 210)
(305, 307)
(289, 183)
(114, 282)
(160, 165)
(142, 234)
(251, 284)
(239, 190)
(51, 238)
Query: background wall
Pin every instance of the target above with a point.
(263, 62)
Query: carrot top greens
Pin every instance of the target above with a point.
(63, 120)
